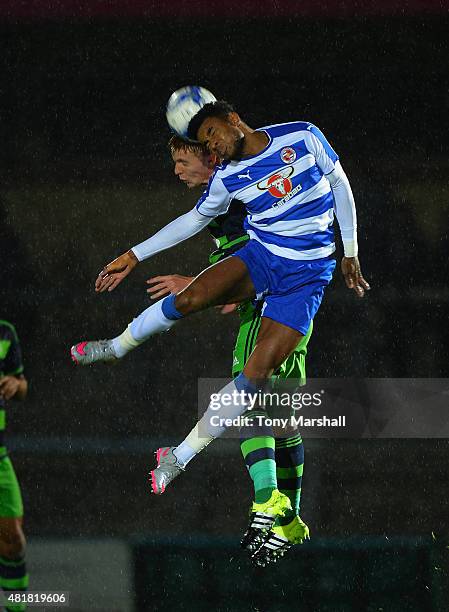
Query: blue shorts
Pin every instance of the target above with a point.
(292, 289)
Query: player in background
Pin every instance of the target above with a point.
(291, 182)
(13, 386)
(272, 462)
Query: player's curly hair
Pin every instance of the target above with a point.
(176, 143)
(219, 108)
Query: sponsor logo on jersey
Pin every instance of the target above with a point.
(244, 176)
(278, 184)
(288, 197)
(288, 155)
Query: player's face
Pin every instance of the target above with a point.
(191, 169)
(222, 137)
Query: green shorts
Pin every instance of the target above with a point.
(11, 505)
(294, 367)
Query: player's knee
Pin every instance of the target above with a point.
(262, 366)
(259, 376)
(17, 548)
(285, 432)
(13, 544)
(190, 300)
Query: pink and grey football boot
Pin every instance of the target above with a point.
(91, 351)
(168, 467)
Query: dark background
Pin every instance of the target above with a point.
(86, 175)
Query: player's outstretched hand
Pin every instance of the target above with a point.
(164, 285)
(115, 272)
(350, 267)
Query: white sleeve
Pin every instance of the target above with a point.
(215, 199)
(344, 207)
(175, 232)
(321, 149)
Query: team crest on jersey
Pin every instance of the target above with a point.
(278, 184)
(288, 155)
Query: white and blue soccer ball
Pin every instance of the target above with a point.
(184, 104)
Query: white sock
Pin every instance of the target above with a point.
(124, 343)
(206, 429)
(192, 445)
(151, 321)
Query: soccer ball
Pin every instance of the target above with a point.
(184, 104)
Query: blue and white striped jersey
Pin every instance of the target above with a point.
(285, 190)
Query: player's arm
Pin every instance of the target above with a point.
(177, 231)
(344, 206)
(345, 211)
(14, 384)
(214, 202)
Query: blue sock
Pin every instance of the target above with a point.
(169, 309)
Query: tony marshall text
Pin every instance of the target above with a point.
(293, 421)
